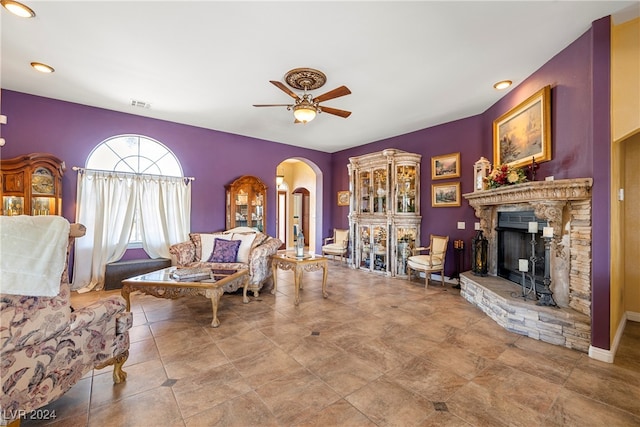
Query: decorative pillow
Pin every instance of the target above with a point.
(224, 250)
(245, 246)
(204, 244)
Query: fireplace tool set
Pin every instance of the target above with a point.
(546, 296)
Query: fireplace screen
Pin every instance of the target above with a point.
(514, 243)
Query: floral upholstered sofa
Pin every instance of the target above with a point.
(234, 249)
(46, 347)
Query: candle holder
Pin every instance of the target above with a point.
(532, 277)
(546, 296)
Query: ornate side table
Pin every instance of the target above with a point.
(288, 261)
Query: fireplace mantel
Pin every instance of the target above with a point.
(546, 198)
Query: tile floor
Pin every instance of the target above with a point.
(378, 352)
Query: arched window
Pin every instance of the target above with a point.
(134, 154)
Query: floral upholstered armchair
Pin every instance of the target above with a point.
(46, 347)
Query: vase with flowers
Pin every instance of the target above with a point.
(505, 175)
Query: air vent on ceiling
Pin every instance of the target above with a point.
(140, 104)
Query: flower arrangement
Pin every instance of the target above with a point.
(505, 175)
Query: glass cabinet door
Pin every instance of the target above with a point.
(379, 247)
(406, 241)
(365, 247)
(365, 191)
(380, 191)
(13, 205)
(246, 203)
(257, 215)
(32, 185)
(406, 189)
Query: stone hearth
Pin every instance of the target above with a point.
(566, 206)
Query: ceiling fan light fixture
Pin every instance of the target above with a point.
(304, 113)
(18, 9)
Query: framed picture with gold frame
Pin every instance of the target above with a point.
(445, 166)
(445, 195)
(524, 132)
(343, 198)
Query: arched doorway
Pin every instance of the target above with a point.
(297, 175)
(301, 204)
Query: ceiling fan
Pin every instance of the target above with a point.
(306, 107)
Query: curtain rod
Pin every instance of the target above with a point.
(79, 169)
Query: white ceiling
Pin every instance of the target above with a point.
(409, 65)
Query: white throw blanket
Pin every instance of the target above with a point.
(33, 251)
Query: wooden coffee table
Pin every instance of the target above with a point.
(160, 284)
(288, 261)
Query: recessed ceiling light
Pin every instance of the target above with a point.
(503, 84)
(18, 9)
(43, 68)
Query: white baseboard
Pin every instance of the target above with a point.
(608, 355)
(633, 316)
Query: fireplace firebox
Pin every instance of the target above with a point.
(514, 244)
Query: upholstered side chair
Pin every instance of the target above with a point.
(339, 244)
(430, 262)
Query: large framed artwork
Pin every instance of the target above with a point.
(445, 195)
(524, 132)
(445, 166)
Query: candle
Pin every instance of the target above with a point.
(523, 265)
(477, 226)
(547, 232)
(533, 227)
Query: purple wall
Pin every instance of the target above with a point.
(600, 126)
(579, 80)
(464, 136)
(70, 131)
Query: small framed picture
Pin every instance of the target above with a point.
(343, 198)
(445, 166)
(445, 195)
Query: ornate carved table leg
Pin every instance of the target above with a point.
(274, 270)
(214, 295)
(298, 283)
(325, 294)
(244, 291)
(125, 292)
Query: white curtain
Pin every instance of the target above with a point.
(171, 221)
(106, 205)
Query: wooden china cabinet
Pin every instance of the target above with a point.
(384, 214)
(31, 185)
(246, 203)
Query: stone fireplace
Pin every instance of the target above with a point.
(564, 205)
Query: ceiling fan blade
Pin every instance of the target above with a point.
(272, 105)
(335, 111)
(337, 92)
(285, 89)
